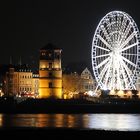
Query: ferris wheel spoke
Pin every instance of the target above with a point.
(109, 30)
(102, 48)
(124, 74)
(99, 56)
(108, 72)
(122, 26)
(105, 33)
(127, 54)
(118, 74)
(127, 40)
(128, 61)
(103, 71)
(128, 71)
(103, 62)
(105, 42)
(130, 46)
(125, 32)
(126, 68)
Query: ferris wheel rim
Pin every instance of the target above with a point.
(94, 63)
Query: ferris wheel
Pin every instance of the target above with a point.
(115, 52)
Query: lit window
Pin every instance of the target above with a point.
(43, 53)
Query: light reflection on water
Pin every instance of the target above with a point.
(120, 122)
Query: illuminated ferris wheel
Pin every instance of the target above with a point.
(115, 52)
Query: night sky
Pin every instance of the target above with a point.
(26, 26)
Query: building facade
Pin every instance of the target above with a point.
(19, 81)
(50, 72)
(88, 83)
(35, 86)
(76, 84)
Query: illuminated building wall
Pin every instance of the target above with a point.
(50, 72)
(88, 84)
(20, 82)
(35, 84)
(74, 83)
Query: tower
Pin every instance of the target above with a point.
(50, 72)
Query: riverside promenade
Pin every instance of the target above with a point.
(67, 106)
(10, 105)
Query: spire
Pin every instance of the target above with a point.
(20, 61)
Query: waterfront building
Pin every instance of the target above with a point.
(50, 72)
(19, 81)
(3, 69)
(77, 83)
(88, 83)
(71, 85)
(35, 85)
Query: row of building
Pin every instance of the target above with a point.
(49, 82)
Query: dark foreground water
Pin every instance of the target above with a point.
(119, 122)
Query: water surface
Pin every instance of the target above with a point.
(119, 122)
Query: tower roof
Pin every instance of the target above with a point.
(50, 46)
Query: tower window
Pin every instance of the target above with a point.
(50, 74)
(50, 65)
(50, 84)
